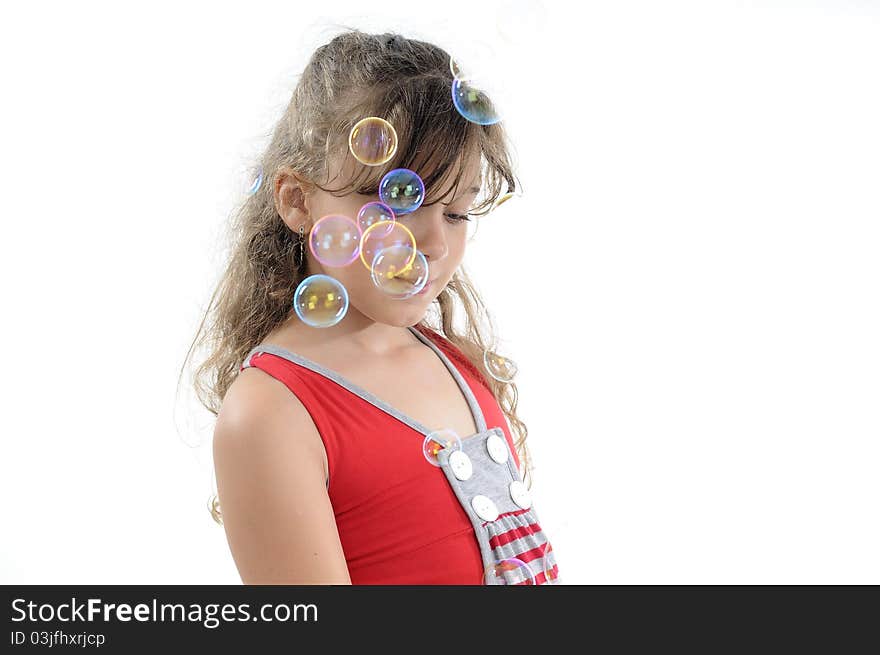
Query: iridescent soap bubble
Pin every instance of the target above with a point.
(396, 273)
(382, 235)
(402, 190)
(476, 102)
(499, 367)
(320, 301)
(439, 440)
(373, 141)
(480, 88)
(374, 212)
(335, 240)
(509, 571)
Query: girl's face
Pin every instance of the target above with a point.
(440, 232)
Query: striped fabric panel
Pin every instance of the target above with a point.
(519, 535)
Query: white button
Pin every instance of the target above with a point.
(520, 494)
(460, 464)
(497, 448)
(484, 507)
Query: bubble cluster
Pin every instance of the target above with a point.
(440, 440)
(320, 301)
(373, 141)
(387, 248)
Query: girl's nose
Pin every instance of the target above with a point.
(429, 231)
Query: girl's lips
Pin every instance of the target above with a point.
(427, 286)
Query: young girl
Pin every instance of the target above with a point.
(326, 473)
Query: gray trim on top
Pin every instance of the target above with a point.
(473, 405)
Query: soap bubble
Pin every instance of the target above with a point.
(500, 368)
(472, 100)
(374, 212)
(506, 197)
(320, 301)
(480, 88)
(252, 178)
(382, 235)
(548, 559)
(335, 240)
(402, 190)
(439, 440)
(509, 571)
(373, 141)
(394, 276)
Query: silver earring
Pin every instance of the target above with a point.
(299, 254)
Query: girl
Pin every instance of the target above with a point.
(323, 474)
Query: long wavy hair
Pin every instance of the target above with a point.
(408, 83)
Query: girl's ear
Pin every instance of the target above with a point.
(291, 194)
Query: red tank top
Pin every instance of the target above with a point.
(398, 518)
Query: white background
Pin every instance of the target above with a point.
(689, 284)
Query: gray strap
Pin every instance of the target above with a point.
(476, 410)
(474, 406)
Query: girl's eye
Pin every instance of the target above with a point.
(457, 218)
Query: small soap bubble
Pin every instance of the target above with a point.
(382, 235)
(439, 440)
(402, 190)
(253, 180)
(506, 197)
(394, 276)
(500, 368)
(509, 571)
(373, 141)
(374, 212)
(335, 240)
(320, 301)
